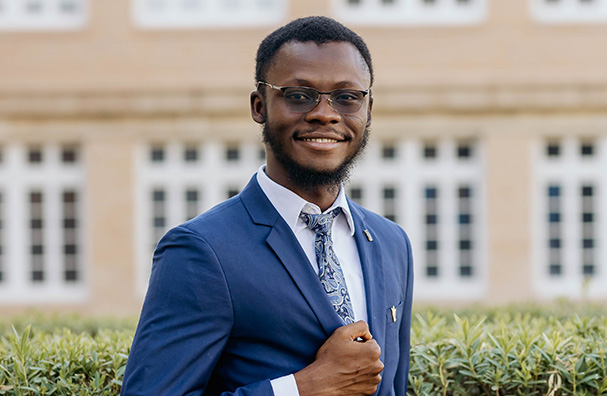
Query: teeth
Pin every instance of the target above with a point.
(320, 140)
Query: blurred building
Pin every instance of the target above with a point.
(121, 118)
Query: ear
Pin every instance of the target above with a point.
(369, 109)
(258, 110)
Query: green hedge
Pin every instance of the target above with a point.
(509, 354)
(63, 362)
(536, 350)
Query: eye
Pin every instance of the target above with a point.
(299, 95)
(347, 96)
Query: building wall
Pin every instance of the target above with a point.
(466, 105)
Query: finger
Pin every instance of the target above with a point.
(371, 350)
(361, 331)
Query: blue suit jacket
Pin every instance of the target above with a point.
(233, 302)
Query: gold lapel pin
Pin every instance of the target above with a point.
(368, 235)
(393, 311)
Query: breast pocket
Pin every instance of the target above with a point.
(394, 313)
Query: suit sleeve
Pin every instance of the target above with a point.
(185, 322)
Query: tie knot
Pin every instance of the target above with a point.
(320, 223)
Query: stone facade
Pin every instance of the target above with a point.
(467, 113)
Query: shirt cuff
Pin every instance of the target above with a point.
(285, 386)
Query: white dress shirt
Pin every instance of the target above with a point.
(289, 205)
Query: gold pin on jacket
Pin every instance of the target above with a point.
(393, 311)
(368, 235)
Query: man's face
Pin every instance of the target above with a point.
(317, 148)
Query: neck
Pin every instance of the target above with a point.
(322, 196)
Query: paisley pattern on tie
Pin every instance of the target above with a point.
(329, 270)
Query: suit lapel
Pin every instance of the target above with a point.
(288, 250)
(373, 273)
(295, 261)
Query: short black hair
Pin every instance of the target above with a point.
(317, 29)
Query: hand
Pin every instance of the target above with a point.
(343, 365)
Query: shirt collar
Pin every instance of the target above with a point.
(289, 205)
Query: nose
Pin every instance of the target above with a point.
(323, 112)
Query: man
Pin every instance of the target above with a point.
(288, 288)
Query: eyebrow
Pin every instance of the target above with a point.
(339, 85)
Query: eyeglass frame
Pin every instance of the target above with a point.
(283, 89)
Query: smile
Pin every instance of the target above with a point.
(320, 140)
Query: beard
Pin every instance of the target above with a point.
(311, 179)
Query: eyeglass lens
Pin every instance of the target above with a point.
(302, 99)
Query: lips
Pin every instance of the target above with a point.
(320, 140)
(328, 136)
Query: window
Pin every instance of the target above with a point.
(389, 194)
(192, 202)
(356, 194)
(554, 230)
(35, 155)
(587, 149)
(71, 254)
(190, 153)
(36, 200)
(588, 230)
(69, 6)
(568, 243)
(553, 149)
(192, 5)
(178, 180)
(232, 153)
(159, 221)
(19, 15)
(411, 12)
(157, 153)
(33, 6)
(569, 11)
(231, 3)
(465, 231)
(389, 151)
(431, 231)
(197, 14)
(438, 198)
(41, 222)
(464, 150)
(430, 151)
(69, 154)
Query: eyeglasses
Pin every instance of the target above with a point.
(304, 99)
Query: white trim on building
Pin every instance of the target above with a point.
(195, 14)
(569, 11)
(390, 180)
(411, 12)
(570, 259)
(42, 205)
(455, 232)
(18, 15)
(217, 171)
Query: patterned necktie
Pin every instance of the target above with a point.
(329, 270)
